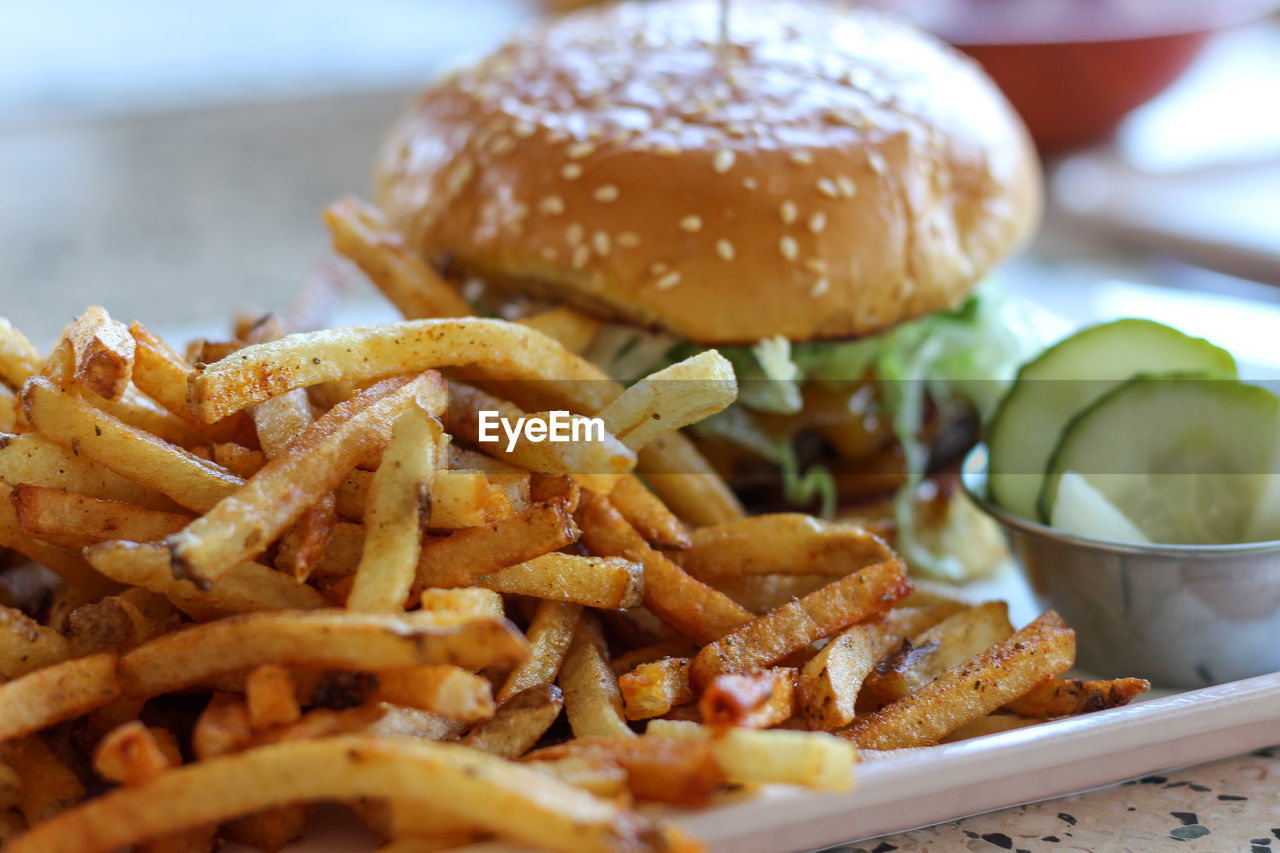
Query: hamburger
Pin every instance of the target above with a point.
(816, 191)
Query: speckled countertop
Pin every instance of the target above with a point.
(188, 216)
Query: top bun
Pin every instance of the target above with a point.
(829, 174)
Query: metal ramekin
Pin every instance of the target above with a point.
(1178, 615)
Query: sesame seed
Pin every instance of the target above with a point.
(847, 187)
(801, 157)
(692, 224)
(503, 145)
(723, 161)
(606, 193)
(580, 257)
(628, 239)
(817, 266)
(657, 268)
(876, 160)
(555, 137)
(724, 249)
(552, 205)
(666, 149)
(579, 150)
(788, 211)
(827, 187)
(573, 234)
(668, 281)
(820, 287)
(600, 240)
(750, 183)
(523, 129)
(787, 245)
(571, 171)
(817, 222)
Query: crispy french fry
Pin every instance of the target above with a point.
(162, 374)
(75, 521)
(317, 638)
(671, 398)
(653, 689)
(592, 700)
(440, 688)
(247, 522)
(604, 779)
(49, 786)
(19, 358)
(514, 801)
(129, 451)
(33, 460)
(360, 353)
(26, 645)
(518, 722)
(476, 551)
(550, 633)
(768, 639)
(648, 515)
(762, 593)
(754, 700)
(361, 233)
(573, 329)
(69, 566)
(664, 770)
(270, 697)
(239, 460)
(610, 583)
(974, 689)
(133, 754)
(797, 544)
(686, 482)
(691, 607)
(468, 601)
(102, 352)
(120, 621)
(400, 491)
(59, 692)
(309, 536)
(773, 757)
(673, 648)
(1064, 697)
(246, 588)
(939, 648)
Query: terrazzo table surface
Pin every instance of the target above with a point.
(189, 216)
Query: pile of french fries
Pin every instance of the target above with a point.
(280, 569)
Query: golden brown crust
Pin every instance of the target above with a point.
(836, 173)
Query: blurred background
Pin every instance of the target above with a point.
(169, 160)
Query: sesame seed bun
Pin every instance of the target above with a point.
(832, 173)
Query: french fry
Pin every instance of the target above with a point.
(248, 587)
(1065, 697)
(439, 688)
(653, 689)
(69, 566)
(129, 451)
(514, 801)
(609, 583)
(518, 722)
(58, 692)
(469, 499)
(663, 770)
(768, 639)
(361, 233)
(755, 700)
(773, 757)
(648, 515)
(26, 645)
(673, 648)
(671, 398)
(550, 632)
(162, 374)
(762, 593)
(604, 779)
(75, 521)
(318, 638)
(798, 544)
(33, 460)
(828, 686)
(19, 358)
(9, 407)
(571, 328)
(688, 605)
(309, 536)
(102, 352)
(468, 601)
(592, 700)
(49, 786)
(270, 697)
(360, 353)
(239, 460)
(244, 525)
(132, 753)
(939, 648)
(400, 492)
(465, 555)
(990, 725)
(974, 689)
(686, 482)
(120, 621)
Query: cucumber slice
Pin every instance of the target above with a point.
(1067, 378)
(1083, 510)
(1185, 458)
